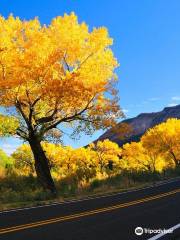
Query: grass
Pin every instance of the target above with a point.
(24, 191)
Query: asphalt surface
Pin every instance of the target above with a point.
(112, 217)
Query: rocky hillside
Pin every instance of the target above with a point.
(141, 123)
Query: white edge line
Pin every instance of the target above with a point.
(162, 234)
(88, 198)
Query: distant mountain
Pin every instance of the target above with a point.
(141, 124)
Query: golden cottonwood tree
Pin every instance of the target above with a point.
(85, 164)
(78, 163)
(165, 140)
(64, 161)
(24, 159)
(138, 158)
(107, 155)
(55, 74)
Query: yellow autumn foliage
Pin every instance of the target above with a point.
(64, 65)
(105, 158)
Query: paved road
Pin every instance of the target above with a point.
(112, 217)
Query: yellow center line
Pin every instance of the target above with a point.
(86, 213)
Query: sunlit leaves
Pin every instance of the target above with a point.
(164, 139)
(8, 125)
(158, 149)
(106, 154)
(64, 65)
(105, 158)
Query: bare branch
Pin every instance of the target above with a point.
(35, 101)
(69, 118)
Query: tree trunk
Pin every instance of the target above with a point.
(176, 161)
(41, 166)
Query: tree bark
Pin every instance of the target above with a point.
(176, 161)
(41, 166)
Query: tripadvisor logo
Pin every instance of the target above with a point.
(139, 231)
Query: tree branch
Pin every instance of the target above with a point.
(68, 118)
(18, 106)
(67, 65)
(49, 118)
(22, 134)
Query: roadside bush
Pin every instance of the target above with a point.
(67, 186)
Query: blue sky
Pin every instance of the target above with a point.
(146, 37)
